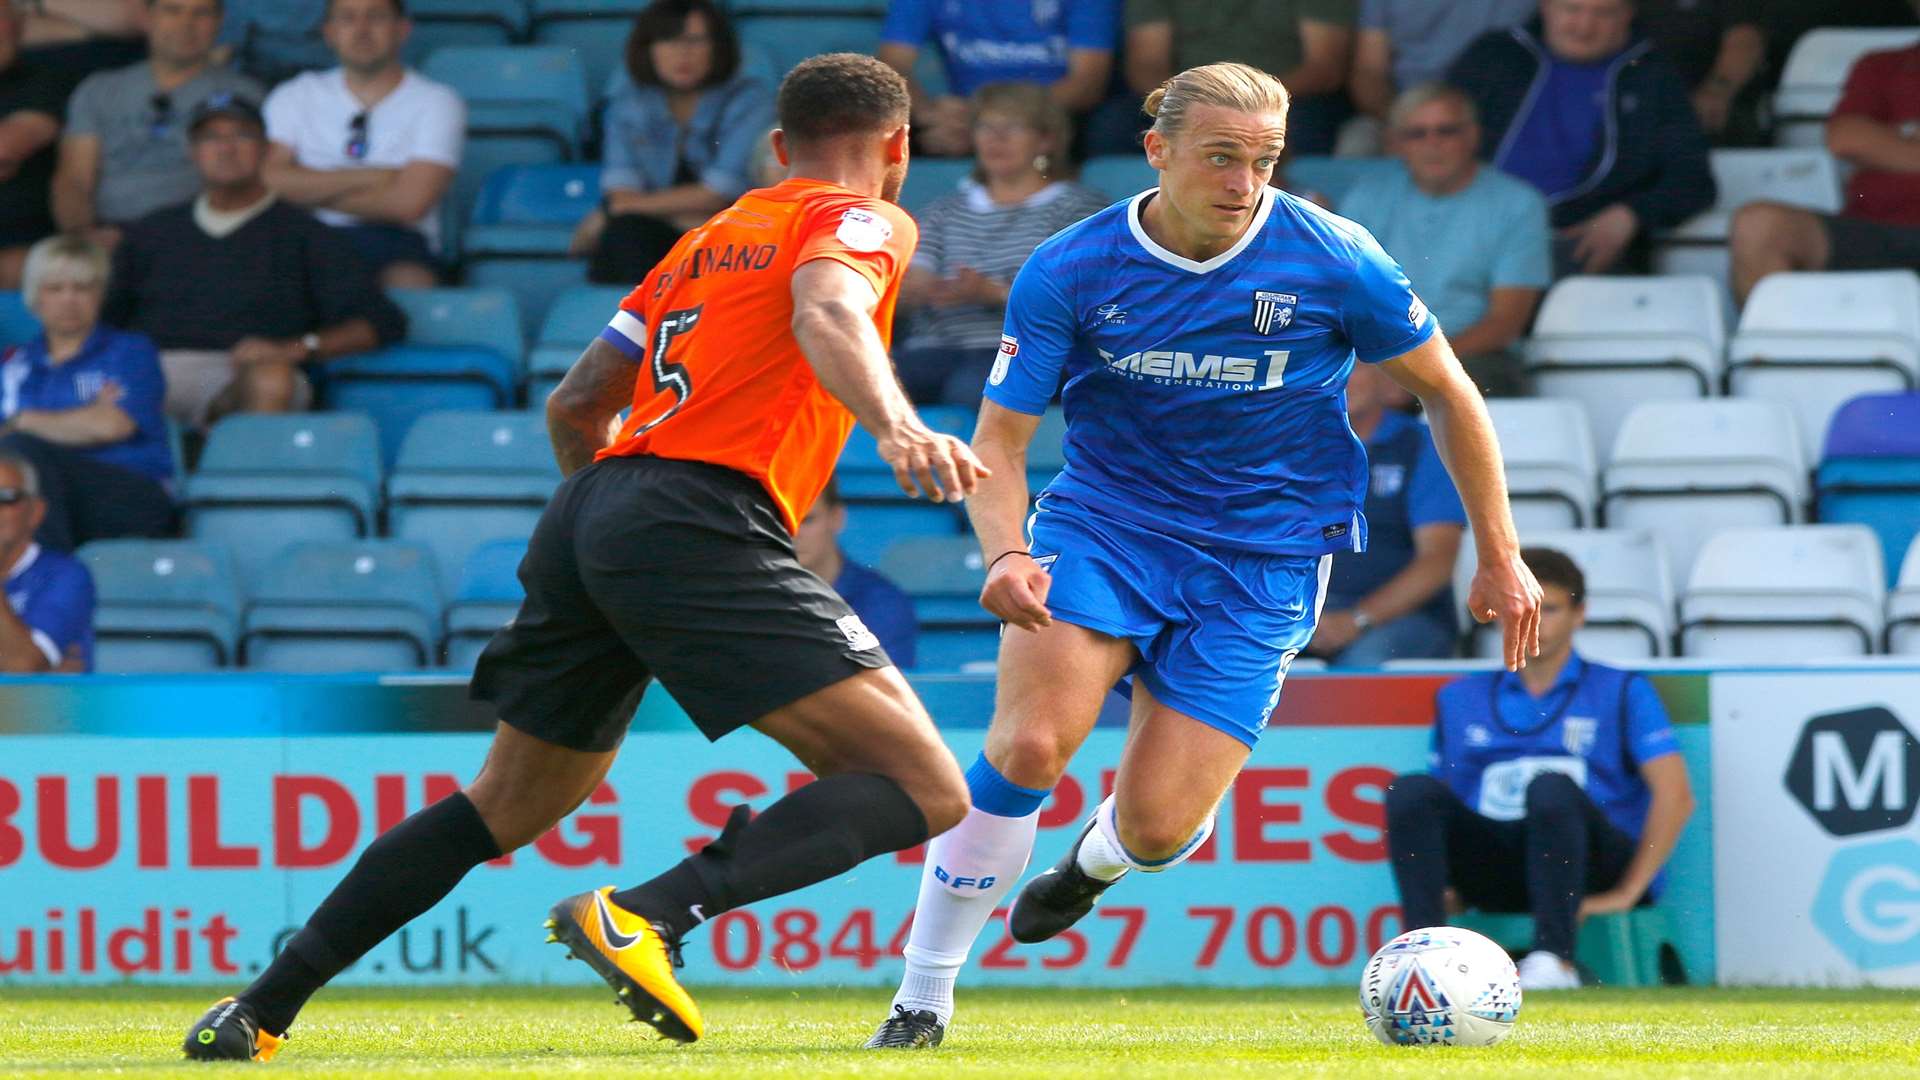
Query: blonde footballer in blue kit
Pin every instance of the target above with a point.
(1205, 330)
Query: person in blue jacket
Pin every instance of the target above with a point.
(882, 605)
(1580, 104)
(1557, 790)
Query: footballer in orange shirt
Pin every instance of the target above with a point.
(744, 358)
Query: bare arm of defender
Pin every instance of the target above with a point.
(582, 410)
(1016, 588)
(833, 322)
(1503, 588)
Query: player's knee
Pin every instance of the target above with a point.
(1032, 756)
(1553, 795)
(1413, 795)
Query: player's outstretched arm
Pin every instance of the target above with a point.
(582, 412)
(833, 322)
(1503, 588)
(1016, 588)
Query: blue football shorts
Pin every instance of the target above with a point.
(1216, 629)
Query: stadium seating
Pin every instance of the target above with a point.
(1119, 176)
(520, 228)
(162, 605)
(533, 91)
(863, 477)
(1551, 477)
(1870, 472)
(968, 650)
(438, 24)
(595, 31)
(17, 325)
(1687, 469)
(1630, 598)
(1620, 949)
(1333, 177)
(1613, 342)
(1816, 70)
(1800, 592)
(368, 605)
(1903, 607)
(784, 40)
(1811, 341)
(488, 597)
(274, 40)
(467, 477)
(943, 575)
(576, 317)
(266, 481)
(929, 179)
(1805, 176)
(462, 351)
(1046, 454)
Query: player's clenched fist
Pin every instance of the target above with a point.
(1016, 591)
(1505, 590)
(925, 462)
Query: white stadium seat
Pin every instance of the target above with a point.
(1548, 448)
(1794, 592)
(1613, 342)
(1813, 341)
(1903, 607)
(1629, 592)
(1798, 176)
(1816, 71)
(1688, 469)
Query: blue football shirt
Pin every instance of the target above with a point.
(1207, 400)
(53, 594)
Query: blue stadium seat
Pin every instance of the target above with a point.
(488, 597)
(463, 478)
(785, 40)
(438, 24)
(863, 477)
(929, 179)
(972, 649)
(17, 325)
(1045, 455)
(476, 318)
(872, 8)
(162, 605)
(575, 318)
(274, 40)
(595, 31)
(521, 226)
(943, 575)
(1117, 175)
(485, 153)
(534, 282)
(266, 481)
(1335, 176)
(369, 605)
(874, 527)
(531, 91)
(1869, 473)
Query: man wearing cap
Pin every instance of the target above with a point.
(239, 289)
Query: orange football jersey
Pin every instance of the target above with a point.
(722, 379)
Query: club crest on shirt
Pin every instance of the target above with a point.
(864, 230)
(1577, 734)
(1272, 310)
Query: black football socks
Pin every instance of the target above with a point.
(410, 868)
(819, 831)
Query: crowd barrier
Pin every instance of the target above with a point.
(176, 829)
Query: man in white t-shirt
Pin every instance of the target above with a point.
(370, 146)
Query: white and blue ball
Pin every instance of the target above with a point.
(1440, 986)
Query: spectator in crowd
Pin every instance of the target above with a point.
(1474, 240)
(880, 604)
(1402, 44)
(1066, 47)
(124, 152)
(240, 289)
(47, 622)
(1580, 107)
(1395, 600)
(1557, 790)
(83, 403)
(975, 240)
(1306, 43)
(80, 37)
(682, 128)
(1718, 48)
(32, 99)
(1875, 130)
(370, 146)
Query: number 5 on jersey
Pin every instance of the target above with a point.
(666, 376)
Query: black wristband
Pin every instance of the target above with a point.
(1004, 554)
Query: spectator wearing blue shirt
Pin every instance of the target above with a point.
(46, 623)
(682, 126)
(1473, 240)
(1066, 45)
(1584, 108)
(83, 402)
(1395, 599)
(1557, 790)
(886, 610)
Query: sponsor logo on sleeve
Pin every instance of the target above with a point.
(864, 230)
(1417, 313)
(1009, 348)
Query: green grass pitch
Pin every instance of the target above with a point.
(1060, 1035)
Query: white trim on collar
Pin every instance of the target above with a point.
(27, 559)
(1182, 262)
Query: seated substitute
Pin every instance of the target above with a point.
(240, 290)
(1558, 790)
(83, 402)
(881, 604)
(47, 622)
(1395, 599)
